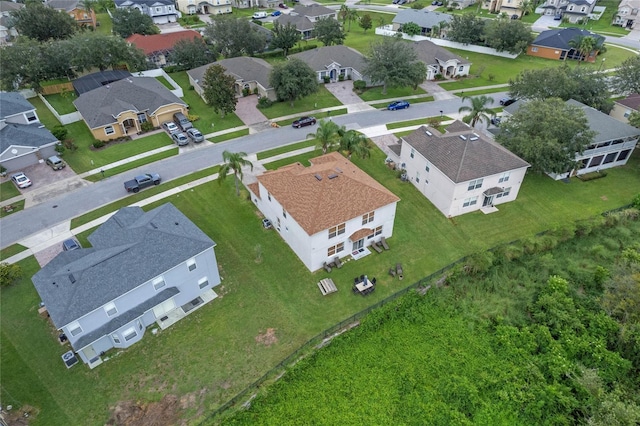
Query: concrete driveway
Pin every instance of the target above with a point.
(544, 23)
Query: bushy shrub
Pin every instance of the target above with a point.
(98, 144)
(264, 102)
(341, 77)
(636, 201)
(60, 149)
(9, 273)
(60, 132)
(147, 126)
(193, 117)
(359, 85)
(326, 79)
(246, 91)
(70, 145)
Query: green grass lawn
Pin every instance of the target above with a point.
(209, 121)
(286, 148)
(106, 25)
(133, 164)
(604, 23)
(15, 208)
(318, 115)
(164, 81)
(416, 122)
(214, 353)
(321, 99)
(232, 135)
(46, 117)
(360, 40)
(62, 103)
(8, 190)
(7, 252)
(375, 93)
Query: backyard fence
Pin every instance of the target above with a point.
(64, 118)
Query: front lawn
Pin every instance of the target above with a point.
(321, 99)
(602, 25)
(375, 93)
(133, 164)
(8, 190)
(62, 103)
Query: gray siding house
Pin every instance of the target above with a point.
(424, 18)
(334, 61)
(24, 141)
(144, 269)
(160, 11)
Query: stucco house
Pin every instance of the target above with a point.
(508, 7)
(24, 141)
(574, 11)
(76, 10)
(334, 61)
(250, 73)
(461, 171)
(627, 14)
(424, 18)
(158, 47)
(440, 61)
(612, 146)
(160, 11)
(204, 7)
(245, 4)
(557, 44)
(143, 269)
(622, 108)
(119, 108)
(327, 210)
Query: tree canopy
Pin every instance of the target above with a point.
(328, 31)
(189, 54)
(365, 22)
(131, 21)
(508, 35)
(293, 80)
(284, 37)
(219, 90)
(411, 29)
(394, 63)
(467, 29)
(478, 111)
(627, 77)
(547, 133)
(43, 23)
(234, 37)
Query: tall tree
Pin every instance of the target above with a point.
(507, 34)
(131, 21)
(219, 90)
(527, 7)
(627, 77)
(234, 36)
(352, 16)
(328, 31)
(293, 80)
(327, 135)
(547, 133)
(22, 65)
(365, 22)
(584, 45)
(634, 119)
(343, 13)
(411, 29)
(43, 23)
(233, 163)
(285, 37)
(353, 142)
(466, 29)
(394, 63)
(89, 5)
(478, 111)
(189, 54)
(94, 50)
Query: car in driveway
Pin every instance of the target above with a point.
(195, 135)
(71, 244)
(557, 18)
(276, 13)
(21, 180)
(55, 162)
(283, 6)
(398, 105)
(170, 127)
(180, 138)
(496, 121)
(303, 122)
(507, 101)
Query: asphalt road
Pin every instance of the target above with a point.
(40, 217)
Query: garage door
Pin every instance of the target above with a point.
(162, 309)
(161, 20)
(18, 163)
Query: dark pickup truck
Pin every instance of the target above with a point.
(142, 181)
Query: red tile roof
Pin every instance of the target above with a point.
(158, 42)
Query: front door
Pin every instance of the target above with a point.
(166, 306)
(358, 245)
(488, 201)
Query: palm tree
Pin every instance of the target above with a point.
(478, 111)
(233, 162)
(435, 31)
(343, 13)
(327, 135)
(526, 7)
(584, 45)
(355, 143)
(352, 15)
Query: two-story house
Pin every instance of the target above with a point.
(76, 10)
(24, 141)
(7, 29)
(304, 18)
(508, 7)
(327, 210)
(143, 269)
(627, 14)
(160, 11)
(204, 7)
(574, 11)
(440, 61)
(612, 145)
(461, 171)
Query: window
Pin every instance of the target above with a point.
(470, 201)
(142, 118)
(417, 177)
(426, 168)
(31, 116)
(610, 158)
(617, 141)
(74, 328)
(158, 283)
(191, 264)
(203, 283)
(110, 309)
(269, 196)
(503, 193)
(129, 334)
(368, 217)
(595, 161)
(475, 184)
(337, 230)
(278, 224)
(534, 49)
(461, 69)
(504, 177)
(109, 130)
(412, 152)
(335, 249)
(116, 339)
(284, 213)
(623, 155)
(158, 9)
(139, 325)
(378, 230)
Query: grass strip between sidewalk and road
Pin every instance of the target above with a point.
(13, 249)
(416, 122)
(287, 148)
(411, 101)
(319, 115)
(133, 164)
(227, 136)
(15, 207)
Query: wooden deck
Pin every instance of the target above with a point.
(327, 286)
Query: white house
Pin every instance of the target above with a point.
(204, 7)
(440, 61)
(327, 210)
(461, 171)
(612, 146)
(160, 11)
(334, 62)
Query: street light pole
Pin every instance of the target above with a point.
(601, 64)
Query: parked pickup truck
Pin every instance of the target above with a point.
(142, 181)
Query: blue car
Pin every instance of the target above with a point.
(276, 13)
(398, 105)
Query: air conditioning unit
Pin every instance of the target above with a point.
(69, 359)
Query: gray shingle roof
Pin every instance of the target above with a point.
(67, 5)
(461, 159)
(30, 135)
(560, 38)
(99, 106)
(318, 59)
(422, 17)
(129, 249)
(241, 68)
(312, 10)
(302, 23)
(12, 103)
(430, 53)
(8, 6)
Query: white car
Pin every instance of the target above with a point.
(170, 127)
(21, 180)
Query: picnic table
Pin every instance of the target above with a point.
(327, 286)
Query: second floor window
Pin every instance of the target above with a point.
(337, 230)
(475, 184)
(368, 217)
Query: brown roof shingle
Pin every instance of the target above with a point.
(329, 192)
(158, 42)
(632, 101)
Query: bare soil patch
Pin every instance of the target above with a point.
(162, 413)
(267, 338)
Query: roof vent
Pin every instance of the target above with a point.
(72, 278)
(428, 133)
(333, 176)
(463, 137)
(176, 223)
(318, 176)
(338, 169)
(153, 225)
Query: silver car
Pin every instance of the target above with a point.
(180, 138)
(195, 134)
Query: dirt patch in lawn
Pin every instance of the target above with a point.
(162, 413)
(267, 338)
(20, 417)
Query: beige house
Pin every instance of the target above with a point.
(119, 108)
(202, 7)
(508, 7)
(627, 14)
(622, 108)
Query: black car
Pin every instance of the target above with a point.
(304, 121)
(496, 121)
(507, 101)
